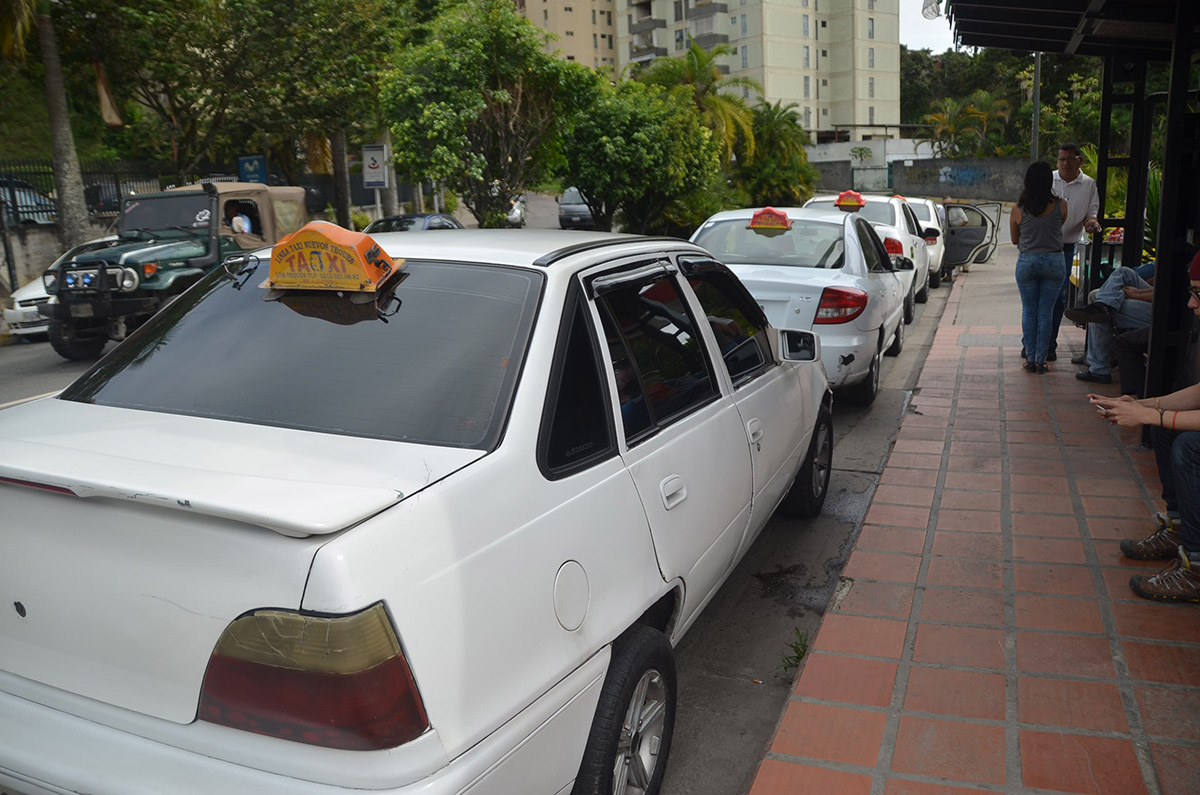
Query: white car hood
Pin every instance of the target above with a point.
(297, 483)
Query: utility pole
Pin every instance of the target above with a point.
(1037, 103)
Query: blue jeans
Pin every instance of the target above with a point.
(1039, 281)
(1178, 457)
(1060, 303)
(1130, 314)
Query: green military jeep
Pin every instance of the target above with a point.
(167, 242)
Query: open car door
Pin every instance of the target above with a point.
(972, 232)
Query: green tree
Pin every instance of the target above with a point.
(699, 70)
(17, 18)
(955, 128)
(480, 104)
(780, 173)
(994, 112)
(637, 149)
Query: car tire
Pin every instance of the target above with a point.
(897, 342)
(67, 345)
(864, 392)
(910, 307)
(935, 278)
(806, 497)
(630, 737)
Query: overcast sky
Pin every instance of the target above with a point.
(917, 32)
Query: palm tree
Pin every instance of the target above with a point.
(780, 173)
(17, 17)
(724, 113)
(957, 127)
(994, 111)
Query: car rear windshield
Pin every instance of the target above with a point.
(922, 210)
(435, 364)
(188, 210)
(875, 212)
(808, 244)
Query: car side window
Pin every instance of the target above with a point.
(741, 338)
(866, 239)
(658, 359)
(576, 423)
(910, 218)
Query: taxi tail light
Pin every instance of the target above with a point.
(840, 305)
(333, 681)
(893, 245)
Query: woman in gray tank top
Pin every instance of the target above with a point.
(1036, 229)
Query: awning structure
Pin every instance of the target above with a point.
(1135, 28)
(1128, 35)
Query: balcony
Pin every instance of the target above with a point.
(647, 24)
(647, 53)
(701, 10)
(710, 40)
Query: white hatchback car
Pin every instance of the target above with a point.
(433, 531)
(893, 219)
(825, 270)
(926, 211)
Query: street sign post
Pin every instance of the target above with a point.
(375, 171)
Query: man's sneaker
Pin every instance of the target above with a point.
(1179, 582)
(1163, 543)
(1095, 312)
(1095, 378)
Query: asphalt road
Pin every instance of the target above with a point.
(732, 684)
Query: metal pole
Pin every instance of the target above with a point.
(1037, 103)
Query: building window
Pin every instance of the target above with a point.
(804, 25)
(824, 53)
(807, 52)
(570, 57)
(610, 41)
(871, 88)
(824, 111)
(870, 27)
(545, 15)
(870, 5)
(593, 16)
(680, 39)
(871, 57)
(807, 118)
(807, 87)
(745, 57)
(804, 3)
(568, 9)
(678, 10)
(733, 21)
(743, 24)
(871, 114)
(570, 33)
(595, 42)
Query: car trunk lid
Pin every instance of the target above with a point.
(121, 595)
(788, 296)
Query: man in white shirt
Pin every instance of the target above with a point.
(1083, 210)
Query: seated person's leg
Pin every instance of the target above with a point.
(1180, 582)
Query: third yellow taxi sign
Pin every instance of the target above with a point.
(324, 256)
(849, 200)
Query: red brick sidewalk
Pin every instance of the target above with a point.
(984, 637)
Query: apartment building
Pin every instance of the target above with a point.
(583, 30)
(837, 60)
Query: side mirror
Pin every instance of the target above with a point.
(799, 346)
(931, 235)
(902, 263)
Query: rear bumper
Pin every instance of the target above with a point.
(847, 356)
(44, 751)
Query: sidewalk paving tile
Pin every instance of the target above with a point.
(984, 637)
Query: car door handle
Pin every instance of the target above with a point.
(673, 490)
(754, 430)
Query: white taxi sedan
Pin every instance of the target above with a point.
(824, 270)
(422, 523)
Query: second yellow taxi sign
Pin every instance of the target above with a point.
(324, 256)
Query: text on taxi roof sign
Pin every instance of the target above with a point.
(770, 218)
(324, 256)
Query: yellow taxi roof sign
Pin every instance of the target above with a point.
(849, 199)
(324, 256)
(770, 218)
